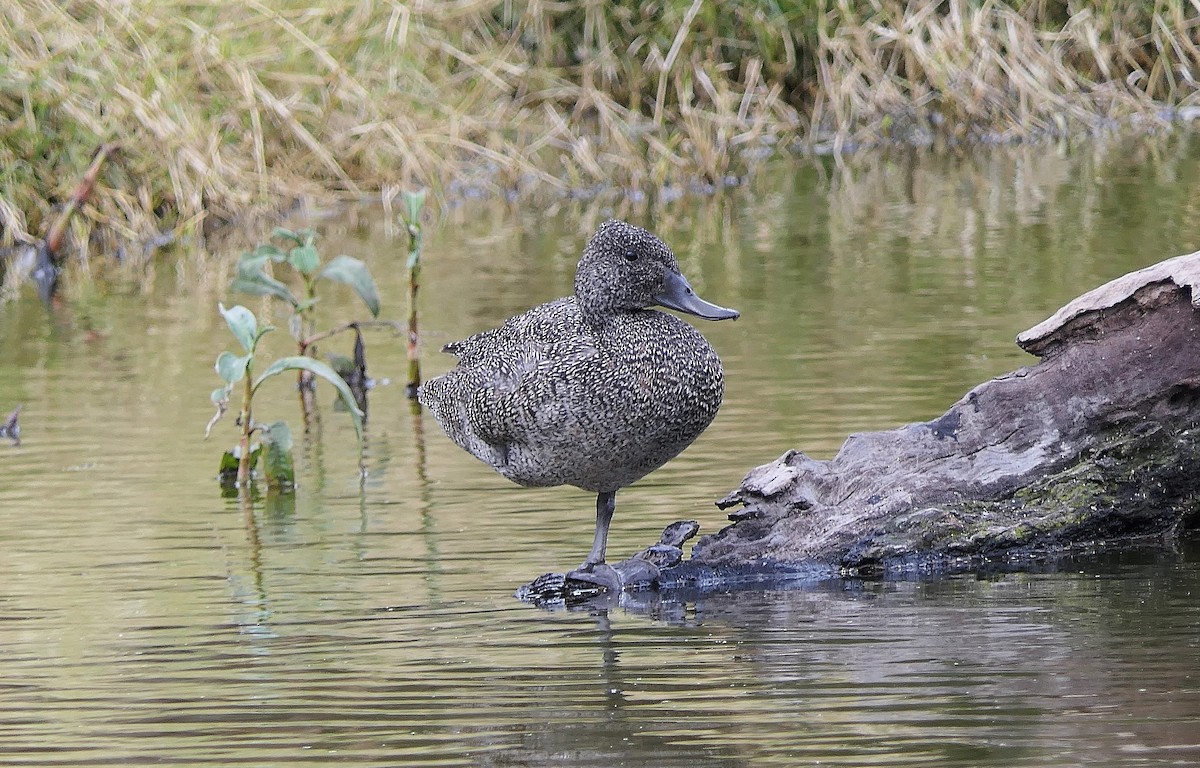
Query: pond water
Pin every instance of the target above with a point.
(146, 619)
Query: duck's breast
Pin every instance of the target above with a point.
(605, 420)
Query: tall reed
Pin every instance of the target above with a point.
(225, 110)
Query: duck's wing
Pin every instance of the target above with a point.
(514, 401)
(470, 346)
(508, 379)
(548, 323)
(524, 388)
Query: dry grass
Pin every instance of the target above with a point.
(962, 70)
(226, 110)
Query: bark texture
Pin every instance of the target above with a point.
(1095, 443)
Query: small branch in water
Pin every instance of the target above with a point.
(45, 273)
(354, 370)
(396, 327)
(10, 428)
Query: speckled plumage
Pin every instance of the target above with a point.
(594, 390)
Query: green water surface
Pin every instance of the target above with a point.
(145, 619)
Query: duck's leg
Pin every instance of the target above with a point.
(594, 570)
(606, 503)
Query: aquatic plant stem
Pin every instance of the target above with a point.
(414, 360)
(305, 382)
(414, 285)
(243, 473)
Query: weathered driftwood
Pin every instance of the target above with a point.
(1098, 443)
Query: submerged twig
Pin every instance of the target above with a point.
(358, 380)
(10, 428)
(395, 325)
(47, 269)
(353, 371)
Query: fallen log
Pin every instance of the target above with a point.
(1096, 445)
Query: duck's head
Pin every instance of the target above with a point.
(626, 268)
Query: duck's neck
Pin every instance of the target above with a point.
(595, 319)
(596, 304)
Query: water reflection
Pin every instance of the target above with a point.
(368, 619)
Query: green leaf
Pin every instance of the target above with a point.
(354, 273)
(229, 460)
(243, 324)
(277, 455)
(253, 262)
(253, 280)
(305, 259)
(286, 234)
(227, 471)
(300, 362)
(413, 203)
(263, 332)
(231, 369)
(229, 465)
(220, 395)
(272, 252)
(342, 364)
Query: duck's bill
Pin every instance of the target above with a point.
(678, 295)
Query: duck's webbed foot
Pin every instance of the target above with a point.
(601, 576)
(591, 584)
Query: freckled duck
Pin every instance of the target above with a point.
(594, 390)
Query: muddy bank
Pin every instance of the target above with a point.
(1096, 445)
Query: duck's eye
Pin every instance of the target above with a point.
(631, 255)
